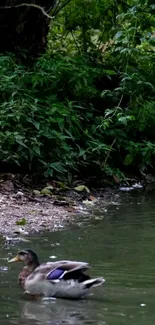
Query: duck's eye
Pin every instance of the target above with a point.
(22, 253)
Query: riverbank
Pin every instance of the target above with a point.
(23, 212)
(27, 208)
(34, 215)
(17, 212)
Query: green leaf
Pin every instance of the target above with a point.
(46, 191)
(58, 167)
(36, 124)
(19, 139)
(128, 159)
(21, 222)
(36, 149)
(110, 72)
(36, 192)
(118, 34)
(152, 6)
(82, 188)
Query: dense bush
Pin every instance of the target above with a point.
(88, 105)
(47, 117)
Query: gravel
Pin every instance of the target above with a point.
(38, 215)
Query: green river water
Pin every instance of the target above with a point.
(119, 244)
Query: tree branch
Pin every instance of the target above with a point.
(29, 5)
(60, 8)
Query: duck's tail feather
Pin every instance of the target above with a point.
(93, 282)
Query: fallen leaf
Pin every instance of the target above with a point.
(92, 198)
(46, 191)
(63, 186)
(36, 192)
(82, 188)
(21, 222)
(49, 187)
(116, 179)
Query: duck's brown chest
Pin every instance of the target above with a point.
(22, 276)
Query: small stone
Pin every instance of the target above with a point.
(19, 194)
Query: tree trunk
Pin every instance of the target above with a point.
(24, 29)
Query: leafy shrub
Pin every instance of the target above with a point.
(40, 122)
(87, 105)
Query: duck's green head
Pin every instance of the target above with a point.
(28, 256)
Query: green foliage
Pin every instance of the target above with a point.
(47, 117)
(21, 222)
(88, 104)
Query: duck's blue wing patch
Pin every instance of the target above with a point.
(55, 274)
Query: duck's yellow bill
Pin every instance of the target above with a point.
(15, 259)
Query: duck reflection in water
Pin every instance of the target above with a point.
(56, 312)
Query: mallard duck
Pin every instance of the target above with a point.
(61, 279)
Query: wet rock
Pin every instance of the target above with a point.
(87, 202)
(19, 194)
(21, 231)
(131, 188)
(13, 240)
(60, 203)
(6, 186)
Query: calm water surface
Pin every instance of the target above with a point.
(120, 245)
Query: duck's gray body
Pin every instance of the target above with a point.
(62, 279)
